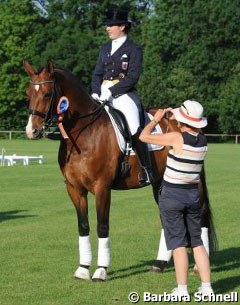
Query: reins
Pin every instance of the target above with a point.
(98, 109)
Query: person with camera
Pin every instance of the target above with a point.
(179, 198)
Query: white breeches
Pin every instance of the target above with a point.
(128, 107)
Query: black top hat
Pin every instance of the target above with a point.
(116, 16)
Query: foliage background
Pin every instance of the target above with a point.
(191, 51)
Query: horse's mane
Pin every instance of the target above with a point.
(67, 74)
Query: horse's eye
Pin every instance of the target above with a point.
(47, 95)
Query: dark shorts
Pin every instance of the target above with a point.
(180, 214)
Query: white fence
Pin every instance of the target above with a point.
(10, 160)
(235, 137)
(9, 134)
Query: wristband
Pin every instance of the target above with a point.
(155, 121)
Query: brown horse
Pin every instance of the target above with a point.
(89, 156)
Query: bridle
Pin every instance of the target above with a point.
(48, 116)
(49, 112)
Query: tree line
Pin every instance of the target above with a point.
(191, 51)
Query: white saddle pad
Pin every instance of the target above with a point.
(122, 142)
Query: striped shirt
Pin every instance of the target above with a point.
(184, 168)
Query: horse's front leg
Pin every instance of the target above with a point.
(103, 200)
(79, 199)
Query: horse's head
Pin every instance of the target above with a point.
(40, 93)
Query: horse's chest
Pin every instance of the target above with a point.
(76, 172)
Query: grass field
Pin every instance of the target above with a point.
(39, 240)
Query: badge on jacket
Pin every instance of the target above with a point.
(124, 59)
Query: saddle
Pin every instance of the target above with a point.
(123, 128)
(121, 123)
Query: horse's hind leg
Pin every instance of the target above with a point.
(103, 200)
(164, 255)
(208, 234)
(79, 199)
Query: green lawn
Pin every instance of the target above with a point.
(39, 239)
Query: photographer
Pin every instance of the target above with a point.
(179, 199)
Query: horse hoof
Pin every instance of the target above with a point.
(82, 274)
(158, 266)
(100, 275)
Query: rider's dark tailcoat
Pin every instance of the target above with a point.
(125, 64)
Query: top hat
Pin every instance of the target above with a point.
(190, 113)
(116, 16)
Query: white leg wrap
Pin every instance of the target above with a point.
(205, 239)
(104, 255)
(85, 251)
(163, 253)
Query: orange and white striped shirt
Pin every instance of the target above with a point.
(184, 167)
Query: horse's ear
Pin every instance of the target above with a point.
(50, 66)
(28, 68)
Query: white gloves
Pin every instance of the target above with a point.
(106, 95)
(95, 96)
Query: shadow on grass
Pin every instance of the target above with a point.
(221, 261)
(10, 215)
(227, 284)
(224, 261)
(142, 267)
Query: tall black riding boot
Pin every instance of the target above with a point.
(141, 150)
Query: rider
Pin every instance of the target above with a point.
(115, 76)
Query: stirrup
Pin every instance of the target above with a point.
(145, 177)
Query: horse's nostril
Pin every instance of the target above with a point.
(36, 132)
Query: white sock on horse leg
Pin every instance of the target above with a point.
(163, 253)
(104, 256)
(85, 252)
(205, 239)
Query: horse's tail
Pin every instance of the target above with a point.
(206, 213)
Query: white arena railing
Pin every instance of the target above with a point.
(11, 134)
(223, 137)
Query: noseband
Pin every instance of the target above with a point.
(48, 115)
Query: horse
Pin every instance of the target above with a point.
(89, 156)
